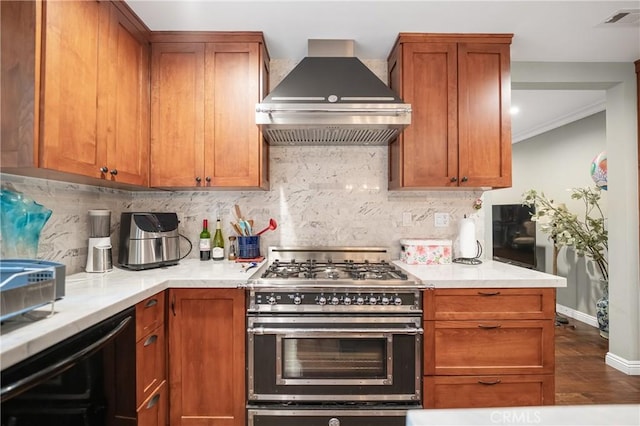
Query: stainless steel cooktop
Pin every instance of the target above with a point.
(332, 280)
(331, 266)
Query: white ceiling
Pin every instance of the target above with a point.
(555, 31)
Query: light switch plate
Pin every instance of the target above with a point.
(441, 220)
(406, 219)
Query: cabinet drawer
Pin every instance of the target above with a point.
(153, 412)
(488, 391)
(150, 362)
(489, 303)
(149, 314)
(488, 347)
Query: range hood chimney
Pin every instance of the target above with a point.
(332, 99)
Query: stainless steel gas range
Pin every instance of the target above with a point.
(334, 338)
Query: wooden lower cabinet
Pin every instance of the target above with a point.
(137, 390)
(489, 347)
(207, 357)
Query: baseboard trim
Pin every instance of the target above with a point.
(577, 315)
(630, 368)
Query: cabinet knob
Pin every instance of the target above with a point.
(208, 179)
(104, 169)
(114, 172)
(464, 178)
(454, 179)
(198, 179)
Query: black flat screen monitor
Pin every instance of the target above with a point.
(514, 235)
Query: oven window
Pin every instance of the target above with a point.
(340, 358)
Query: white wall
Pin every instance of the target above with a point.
(554, 162)
(619, 81)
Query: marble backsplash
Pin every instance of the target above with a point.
(318, 196)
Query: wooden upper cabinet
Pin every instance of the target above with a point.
(177, 114)
(75, 37)
(459, 89)
(80, 104)
(204, 90)
(127, 101)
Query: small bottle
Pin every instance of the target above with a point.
(232, 248)
(205, 241)
(217, 253)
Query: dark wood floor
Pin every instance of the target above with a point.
(582, 377)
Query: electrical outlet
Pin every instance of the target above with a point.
(441, 220)
(406, 219)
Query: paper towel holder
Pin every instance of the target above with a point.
(467, 229)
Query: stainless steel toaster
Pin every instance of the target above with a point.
(148, 240)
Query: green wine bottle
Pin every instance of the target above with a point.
(205, 241)
(218, 243)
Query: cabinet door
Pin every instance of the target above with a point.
(177, 115)
(233, 143)
(429, 146)
(484, 122)
(74, 38)
(127, 98)
(207, 357)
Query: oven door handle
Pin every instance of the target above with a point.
(412, 331)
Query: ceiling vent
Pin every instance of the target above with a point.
(623, 17)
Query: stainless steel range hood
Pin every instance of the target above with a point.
(332, 101)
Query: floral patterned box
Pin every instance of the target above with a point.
(425, 252)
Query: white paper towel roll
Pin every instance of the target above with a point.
(467, 239)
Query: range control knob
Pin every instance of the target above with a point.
(271, 300)
(346, 300)
(373, 300)
(385, 300)
(297, 300)
(397, 301)
(360, 300)
(335, 300)
(322, 300)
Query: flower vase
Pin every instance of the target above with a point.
(602, 311)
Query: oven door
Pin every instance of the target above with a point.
(334, 358)
(310, 416)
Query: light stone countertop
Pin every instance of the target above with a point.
(548, 415)
(488, 274)
(91, 298)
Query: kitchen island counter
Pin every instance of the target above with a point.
(577, 415)
(488, 274)
(93, 297)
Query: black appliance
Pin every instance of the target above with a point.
(64, 385)
(333, 338)
(514, 234)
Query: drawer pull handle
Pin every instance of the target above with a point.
(151, 303)
(489, 326)
(153, 401)
(494, 382)
(151, 340)
(484, 293)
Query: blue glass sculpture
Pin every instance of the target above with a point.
(21, 221)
